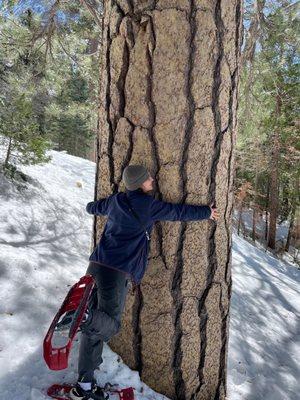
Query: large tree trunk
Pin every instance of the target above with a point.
(169, 100)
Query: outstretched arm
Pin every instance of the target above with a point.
(163, 211)
(99, 207)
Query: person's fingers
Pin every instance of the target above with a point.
(214, 214)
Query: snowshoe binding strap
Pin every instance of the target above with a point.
(77, 299)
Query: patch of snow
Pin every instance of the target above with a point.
(264, 339)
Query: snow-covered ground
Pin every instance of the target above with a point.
(282, 228)
(45, 236)
(264, 339)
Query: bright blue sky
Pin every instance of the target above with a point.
(38, 6)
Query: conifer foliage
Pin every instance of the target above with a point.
(48, 80)
(268, 147)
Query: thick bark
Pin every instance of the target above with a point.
(169, 100)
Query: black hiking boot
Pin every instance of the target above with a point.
(96, 393)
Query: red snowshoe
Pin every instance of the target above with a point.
(76, 302)
(61, 392)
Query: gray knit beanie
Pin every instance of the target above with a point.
(134, 176)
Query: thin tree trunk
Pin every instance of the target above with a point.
(288, 239)
(274, 195)
(294, 216)
(254, 216)
(267, 213)
(247, 57)
(8, 153)
(252, 34)
(168, 100)
(240, 217)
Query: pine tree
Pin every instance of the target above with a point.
(168, 100)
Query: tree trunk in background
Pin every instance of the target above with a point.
(255, 208)
(8, 153)
(274, 180)
(240, 218)
(169, 100)
(295, 206)
(254, 220)
(291, 227)
(267, 213)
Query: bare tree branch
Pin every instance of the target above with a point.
(92, 9)
(253, 32)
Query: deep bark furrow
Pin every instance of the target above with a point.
(121, 90)
(131, 6)
(121, 11)
(191, 103)
(137, 334)
(230, 128)
(234, 92)
(121, 15)
(122, 80)
(152, 136)
(128, 153)
(203, 324)
(153, 110)
(202, 314)
(108, 103)
(215, 101)
(97, 157)
(180, 389)
(177, 302)
(238, 31)
(222, 362)
(212, 257)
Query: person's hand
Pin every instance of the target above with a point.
(214, 213)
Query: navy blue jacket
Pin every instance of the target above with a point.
(123, 244)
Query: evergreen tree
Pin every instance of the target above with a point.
(19, 123)
(268, 148)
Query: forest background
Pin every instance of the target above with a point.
(49, 85)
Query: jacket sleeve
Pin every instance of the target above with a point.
(99, 207)
(163, 211)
